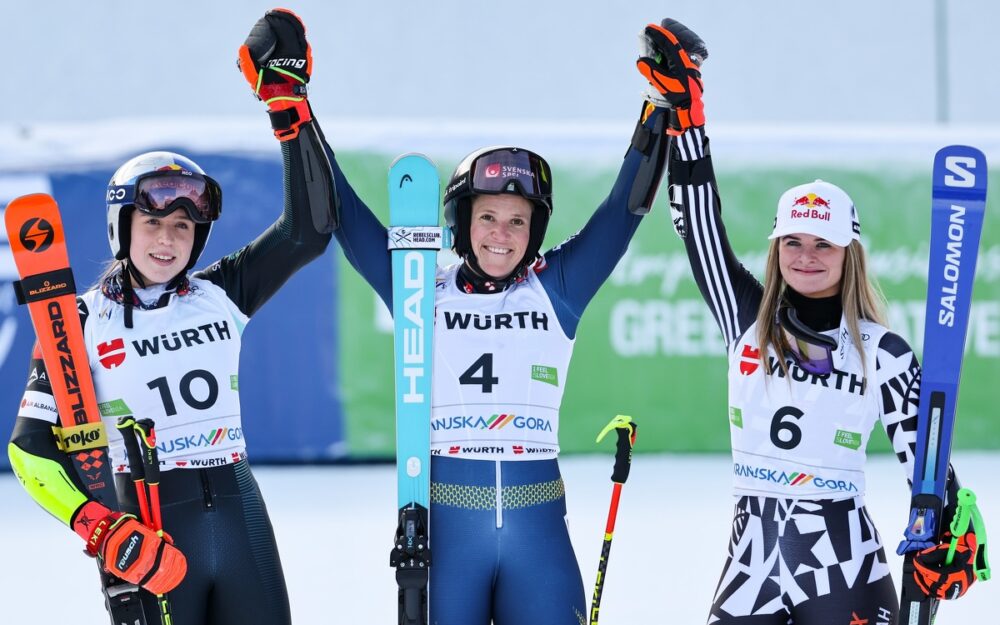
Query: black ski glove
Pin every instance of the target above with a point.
(276, 60)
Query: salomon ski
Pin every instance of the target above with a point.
(957, 209)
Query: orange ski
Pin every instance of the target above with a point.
(38, 243)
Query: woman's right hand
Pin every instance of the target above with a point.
(129, 550)
(670, 61)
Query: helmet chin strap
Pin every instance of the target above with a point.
(131, 277)
(481, 282)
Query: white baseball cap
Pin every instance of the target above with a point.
(820, 209)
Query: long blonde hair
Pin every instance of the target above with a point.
(860, 295)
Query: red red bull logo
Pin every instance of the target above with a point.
(813, 207)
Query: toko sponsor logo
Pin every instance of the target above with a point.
(495, 422)
(794, 478)
(211, 438)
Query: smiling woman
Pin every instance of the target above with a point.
(812, 367)
(500, 232)
(160, 246)
(165, 345)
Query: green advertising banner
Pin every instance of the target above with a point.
(647, 346)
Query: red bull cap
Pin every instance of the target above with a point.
(820, 209)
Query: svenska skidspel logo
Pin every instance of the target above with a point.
(36, 235)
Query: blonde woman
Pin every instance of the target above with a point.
(812, 367)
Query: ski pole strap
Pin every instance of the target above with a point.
(45, 286)
(627, 430)
(415, 238)
(967, 513)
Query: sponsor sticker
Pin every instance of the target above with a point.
(114, 408)
(736, 416)
(548, 375)
(234, 382)
(851, 440)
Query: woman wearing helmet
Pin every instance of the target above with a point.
(812, 367)
(165, 344)
(506, 318)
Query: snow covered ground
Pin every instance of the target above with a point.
(335, 524)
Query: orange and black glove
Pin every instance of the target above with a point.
(670, 61)
(946, 581)
(129, 550)
(277, 61)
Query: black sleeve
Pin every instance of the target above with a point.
(730, 290)
(253, 274)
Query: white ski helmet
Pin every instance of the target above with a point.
(158, 183)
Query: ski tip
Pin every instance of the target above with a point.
(413, 157)
(960, 169)
(29, 202)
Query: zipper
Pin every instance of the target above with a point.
(499, 497)
(206, 489)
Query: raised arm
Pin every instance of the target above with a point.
(673, 68)
(277, 62)
(578, 267)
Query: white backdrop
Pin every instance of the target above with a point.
(848, 62)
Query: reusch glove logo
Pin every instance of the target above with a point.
(129, 552)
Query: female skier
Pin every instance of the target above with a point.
(811, 368)
(505, 323)
(177, 336)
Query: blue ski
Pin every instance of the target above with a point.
(414, 238)
(957, 210)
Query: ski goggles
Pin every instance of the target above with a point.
(811, 350)
(162, 192)
(507, 170)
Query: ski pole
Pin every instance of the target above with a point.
(145, 430)
(966, 514)
(126, 426)
(626, 429)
